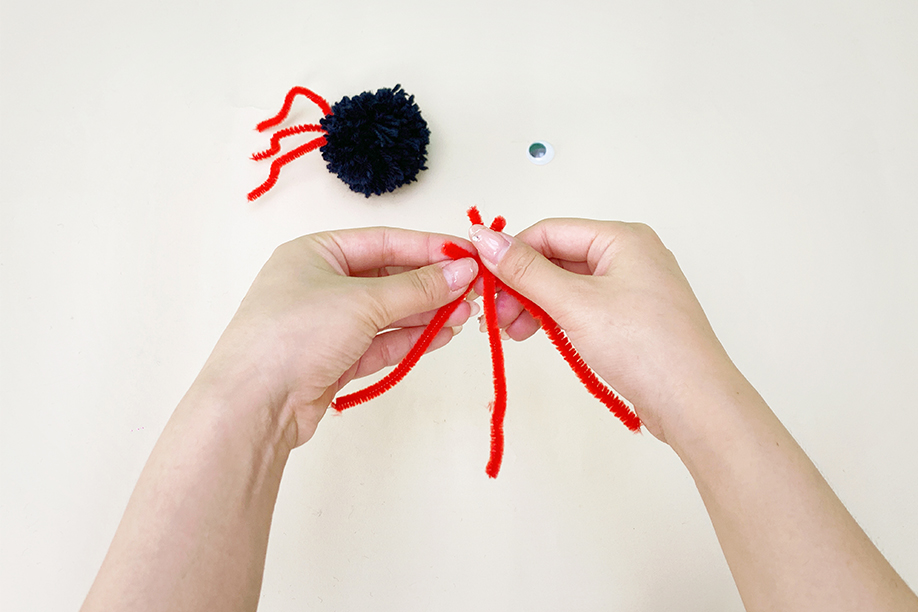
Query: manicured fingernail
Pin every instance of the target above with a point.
(459, 273)
(456, 330)
(490, 244)
(475, 309)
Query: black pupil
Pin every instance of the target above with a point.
(537, 150)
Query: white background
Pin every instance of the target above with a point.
(774, 148)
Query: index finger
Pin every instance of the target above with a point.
(360, 250)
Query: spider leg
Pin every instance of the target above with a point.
(587, 377)
(474, 216)
(288, 103)
(274, 149)
(499, 406)
(489, 299)
(281, 161)
(405, 365)
(453, 251)
(498, 224)
(600, 391)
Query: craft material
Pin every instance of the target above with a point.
(374, 142)
(499, 405)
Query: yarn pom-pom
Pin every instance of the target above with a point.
(376, 142)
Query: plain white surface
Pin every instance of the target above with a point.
(773, 147)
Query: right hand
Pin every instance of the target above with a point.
(619, 295)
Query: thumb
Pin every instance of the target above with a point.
(519, 265)
(402, 295)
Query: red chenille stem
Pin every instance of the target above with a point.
(474, 215)
(454, 251)
(498, 224)
(274, 149)
(499, 407)
(280, 162)
(489, 290)
(288, 103)
(405, 365)
(589, 379)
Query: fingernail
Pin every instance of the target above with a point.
(475, 309)
(459, 273)
(490, 244)
(456, 330)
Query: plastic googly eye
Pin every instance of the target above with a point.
(540, 152)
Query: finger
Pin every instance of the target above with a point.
(521, 267)
(577, 267)
(459, 316)
(389, 348)
(512, 318)
(385, 271)
(418, 291)
(522, 327)
(508, 309)
(574, 241)
(359, 250)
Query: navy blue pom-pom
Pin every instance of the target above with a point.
(376, 142)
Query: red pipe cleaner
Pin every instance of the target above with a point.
(285, 159)
(276, 138)
(491, 284)
(499, 405)
(406, 364)
(288, 104)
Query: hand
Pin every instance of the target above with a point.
(330, 307)
(623, 301)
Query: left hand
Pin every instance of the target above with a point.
(333, 306)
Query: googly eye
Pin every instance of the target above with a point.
(540, 152)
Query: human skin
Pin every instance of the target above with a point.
(324, 309)
(628, 309)
(195, 531)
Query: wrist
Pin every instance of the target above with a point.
(215, 470)
(240, 402)
(727, 434)
(710, 410)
